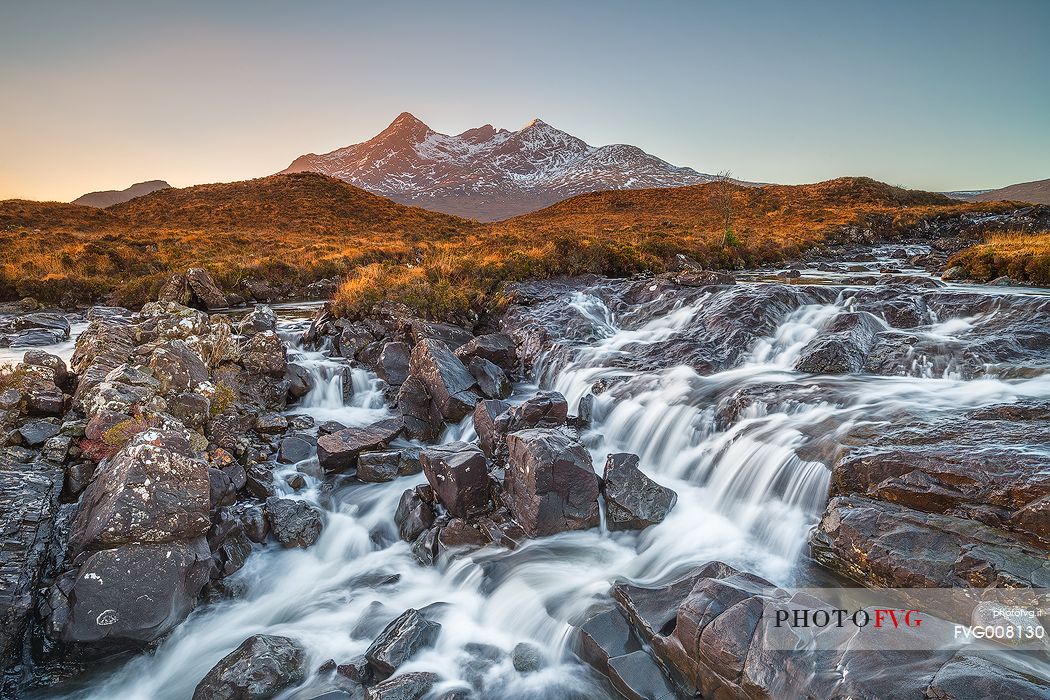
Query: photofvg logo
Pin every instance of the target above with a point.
(906, 619)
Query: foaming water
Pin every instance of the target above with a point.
(746, 450)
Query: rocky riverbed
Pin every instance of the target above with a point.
(595, 495)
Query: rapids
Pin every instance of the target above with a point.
(751, 483)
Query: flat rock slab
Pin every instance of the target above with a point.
(339, 451)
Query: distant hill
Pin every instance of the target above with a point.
(488, 174)
(1037, 192)
(108, 198)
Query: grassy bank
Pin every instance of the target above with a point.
(1024, 257)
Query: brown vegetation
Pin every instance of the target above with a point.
(292, 229)
(1024, 257)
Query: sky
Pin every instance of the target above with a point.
(932, 95)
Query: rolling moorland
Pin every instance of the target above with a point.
(288, 231)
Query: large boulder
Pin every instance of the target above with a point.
(491, 423)
(265, 354)
(339, 451)
(450, 386)
(492, 381)
(259, 668)
(400, 640)
(195, 289)
(423, 420)
(551, 486)
(497, 348)
(458, 474)
(407, 686)
(259, 320)
(129, 596)
(633, 501)
(392, 366)
(177, 367)
(547, 409)
(293, 523)
(843, 346)
(147, 493)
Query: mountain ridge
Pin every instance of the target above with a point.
(108, 198)
(490, 174)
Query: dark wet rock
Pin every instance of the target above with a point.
(459, 534)
(633, 500)
(843, 347)
(145, 494)
(954, 274)
(36, 432)
(550, 484)
(260, 667)
(703, 278)
(392, 366)
(497, 348)
(407, 686)
(458, 474)
(357, 670)
(637, 676)
(300, 380)
(265, 354)
(195, 289)
(527, 658)
(293, 523)
(108, 608)
(330, 426)
(547, 409)
(378, 467)
(414, 514)
(973, 675)
(28, 507)
(449, 384)
(45, 399)
(491, 422)
(57, 449)
(492, 381)
(423, 420)
(585, 413)
(604, 636)
(222, 490)
(230, 547)
(294, 449)
(904, 548)
(339, 451)
(400, 640)
(259, 320)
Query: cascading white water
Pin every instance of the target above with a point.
(746, 495)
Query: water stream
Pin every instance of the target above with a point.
(745, 496)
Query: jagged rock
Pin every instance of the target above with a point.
(293, 523)
(400, 640)
(633, 500)
(392, 366)
(452, 336)
(145, 494)
(491, 422)
(259, 320)
(547, 409)
(28, 507)
(550, 484)
(36, 432)
(423, 421)
(497, 348)
(131, 595)
(339, 451)
(376, 467)
(458, 474)
(458, 534)
(195, 289)
(954, 274)
(414, 514)
(300, 380)
(177, 367)
(40, 358)
(260, 667)
(407, 686)
(491, 380)
(449, 384)
(264, 353)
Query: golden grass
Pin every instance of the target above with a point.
(1024, 257)
(294, 229)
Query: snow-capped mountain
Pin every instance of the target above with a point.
(488, 173)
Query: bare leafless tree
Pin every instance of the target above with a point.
(723, 202)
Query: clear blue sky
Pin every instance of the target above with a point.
(937, 95)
